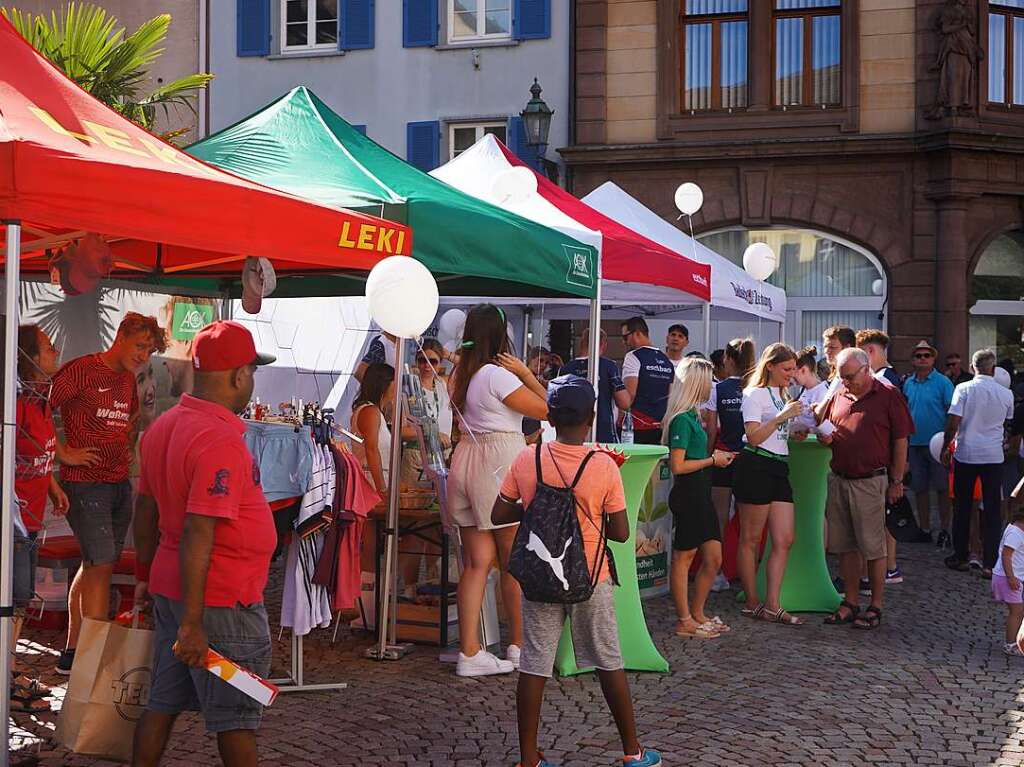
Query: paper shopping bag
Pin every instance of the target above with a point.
(108, 691)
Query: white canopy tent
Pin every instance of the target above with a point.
(735, 295)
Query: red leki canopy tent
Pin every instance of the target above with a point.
(625, 255)
(70, 165)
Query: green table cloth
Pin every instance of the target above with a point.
(638, 650)
(807, 586)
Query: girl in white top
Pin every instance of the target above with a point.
(491, 391)
(761, 480)
(814, 390)
(1007, 576)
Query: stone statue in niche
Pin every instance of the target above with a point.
(957, 60)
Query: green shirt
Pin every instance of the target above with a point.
(687, 433)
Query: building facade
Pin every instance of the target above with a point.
(426, 78)
(877, 145)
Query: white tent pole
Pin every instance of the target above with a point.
(10, 428)
(387, 615)
(706, 312)
(594, 363)
(527, 314)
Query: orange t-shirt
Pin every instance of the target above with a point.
(599, 490)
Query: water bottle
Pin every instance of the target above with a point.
(626, 437)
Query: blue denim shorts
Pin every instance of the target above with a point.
(925, 472)
(285, 458)
(239, 633)
(99, 514)
(26, 555)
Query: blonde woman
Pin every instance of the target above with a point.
(761, 480)
(696, 522)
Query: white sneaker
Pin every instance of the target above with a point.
(482, 664)
(721, 583)
(513, 654)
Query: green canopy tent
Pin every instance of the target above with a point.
(298, 145)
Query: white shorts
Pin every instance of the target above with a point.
(478, 469)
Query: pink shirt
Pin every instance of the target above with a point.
(194, 461)
(599, 490)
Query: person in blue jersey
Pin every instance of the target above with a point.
(647, 374)
(610, 388)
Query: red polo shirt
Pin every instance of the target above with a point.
(866, 428)
(194, 461)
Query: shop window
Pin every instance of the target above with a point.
(997, 299)
(479, 19)
(461, 136)
(1006, 52)
(807, 53)
(714, 61)
(309, 25)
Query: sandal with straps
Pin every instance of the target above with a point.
(753, 612)
(871, 619)
(780, 616)
(837, 619)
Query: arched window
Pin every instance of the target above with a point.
(828, 281)
(997, 298)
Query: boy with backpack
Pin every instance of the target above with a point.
(569, 502)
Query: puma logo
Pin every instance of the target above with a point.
(536, 545)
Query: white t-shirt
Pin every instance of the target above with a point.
(809, 399)
(763, 404)
(983, 406)
(1013, 537)
(485, 411)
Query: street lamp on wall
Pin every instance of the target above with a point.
(537, 123)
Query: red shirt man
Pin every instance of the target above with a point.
(200, 488)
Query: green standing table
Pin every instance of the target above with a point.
(638, 650)
(806, 587)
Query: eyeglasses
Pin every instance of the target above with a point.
(851, 376)
(923, 356)
(420, 360)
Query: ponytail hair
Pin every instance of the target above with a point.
(743, 355)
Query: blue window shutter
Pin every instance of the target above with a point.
(355, 24)
(360, 128)
(531, 19)
(517, 142)
(423, 144)
(253, 23)
(419, 23)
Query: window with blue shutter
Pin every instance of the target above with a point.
(423, 144)
(356, 24)
(360, 128)
(517, 142)
(531, 19)
(253, 27)
(419, 23)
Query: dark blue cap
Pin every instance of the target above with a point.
(571, 394)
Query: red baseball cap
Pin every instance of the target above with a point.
(225, 345)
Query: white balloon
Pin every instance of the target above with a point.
(759, 260)
(449, 327)
(514, 185)
(401, 295)
(689, 198)
(450, 346)
(1002, 375)
(935, 446)
(876, 287)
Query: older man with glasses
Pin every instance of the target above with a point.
(929, 394)
(869, 459)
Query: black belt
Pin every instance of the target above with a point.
(869, 475)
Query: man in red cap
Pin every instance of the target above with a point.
(200, 497)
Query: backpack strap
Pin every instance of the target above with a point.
(540, 473)
(583, 465)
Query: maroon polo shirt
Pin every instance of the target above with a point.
(866, 428)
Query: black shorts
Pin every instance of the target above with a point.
(759, 480)
(721, 476)
(695, 518)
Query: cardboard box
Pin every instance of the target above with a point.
(255, 687)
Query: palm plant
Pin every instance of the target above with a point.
(86, 43)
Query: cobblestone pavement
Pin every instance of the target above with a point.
(931, 687)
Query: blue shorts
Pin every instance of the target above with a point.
(285, 458)
(26, 555)
(239, 633)
(925, 472)
(99, 514)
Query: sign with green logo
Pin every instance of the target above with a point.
(189, 319)
(581, 266)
